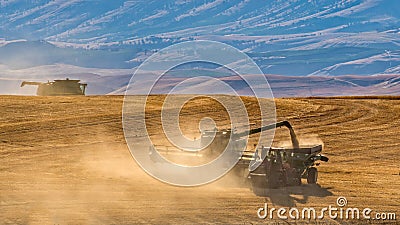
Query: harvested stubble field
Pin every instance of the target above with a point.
(64, 160)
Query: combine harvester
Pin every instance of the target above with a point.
(278, 167)
(58, 87)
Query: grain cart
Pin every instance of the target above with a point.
(278, 167)
(58, 87)
(286, 166)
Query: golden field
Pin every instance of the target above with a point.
(64, 160)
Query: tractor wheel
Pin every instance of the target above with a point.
(312, 175)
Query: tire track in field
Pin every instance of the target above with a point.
(360, 137)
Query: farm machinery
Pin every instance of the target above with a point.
(285, 167)
(277, 167)
(58, 87)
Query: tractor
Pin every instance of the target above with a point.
(278, 167)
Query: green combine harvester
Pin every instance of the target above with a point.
(58, 87)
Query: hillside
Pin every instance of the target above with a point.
(115, 81)
(329, 37)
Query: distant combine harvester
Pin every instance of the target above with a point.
(58, 87)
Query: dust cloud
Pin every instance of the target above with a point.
(301, 140)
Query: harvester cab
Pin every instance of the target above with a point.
(58, 87)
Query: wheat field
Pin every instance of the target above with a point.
(64, 160)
